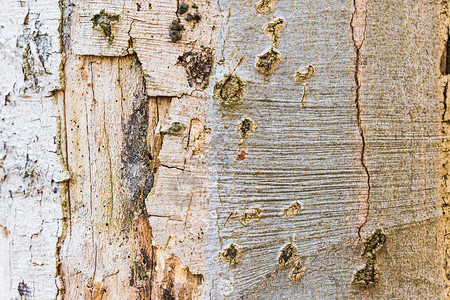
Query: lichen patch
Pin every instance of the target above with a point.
(23, 289)
(288, 256)
(103, 21)
(369, 275)
(175, 128)
(273, 30)
(138, 272)
(229, 90)
(375, 243)
(265, 6)
(182, 8)
(289, 259)
(298, 269)
(246, 127)
(175, 29)
(303, 74)
(267, 62)
(232, 254)
(293, 210)
(198, 66)
(250, 216)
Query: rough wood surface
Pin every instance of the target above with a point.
(170, 136)
(260, 149)
(144, 30)
(109, 250)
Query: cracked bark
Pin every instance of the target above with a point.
(170, 196)
(117, 157)
(358, 29)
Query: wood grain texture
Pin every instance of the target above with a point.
(307, 166)
(400, 96)
(361, 155)
(308, 154)
(146, 33)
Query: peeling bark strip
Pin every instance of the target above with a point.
(115, 143)
(156, 33)
(110, 157)
(135, 149)
(30, 169)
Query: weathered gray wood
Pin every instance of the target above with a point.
(277, 150)
(376, 73)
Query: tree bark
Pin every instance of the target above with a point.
(224, 150)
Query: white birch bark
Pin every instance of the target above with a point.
(30, 202)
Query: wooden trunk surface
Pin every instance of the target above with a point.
(278, 150)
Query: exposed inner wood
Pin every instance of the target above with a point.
(109, 250)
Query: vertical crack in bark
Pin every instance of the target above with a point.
(111, 185)
(66, 163)
(358, 39)
(130, 39)
(444, 112)
(65, 199)
(87, 135)
(185, 157)
(119, 78)
(444, 188)
(66, 220)
(66, 9)
(91, 289)
(152, 270)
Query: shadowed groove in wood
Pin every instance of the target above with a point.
(117, 255)
(358, 29)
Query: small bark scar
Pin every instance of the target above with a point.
(358, 26)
